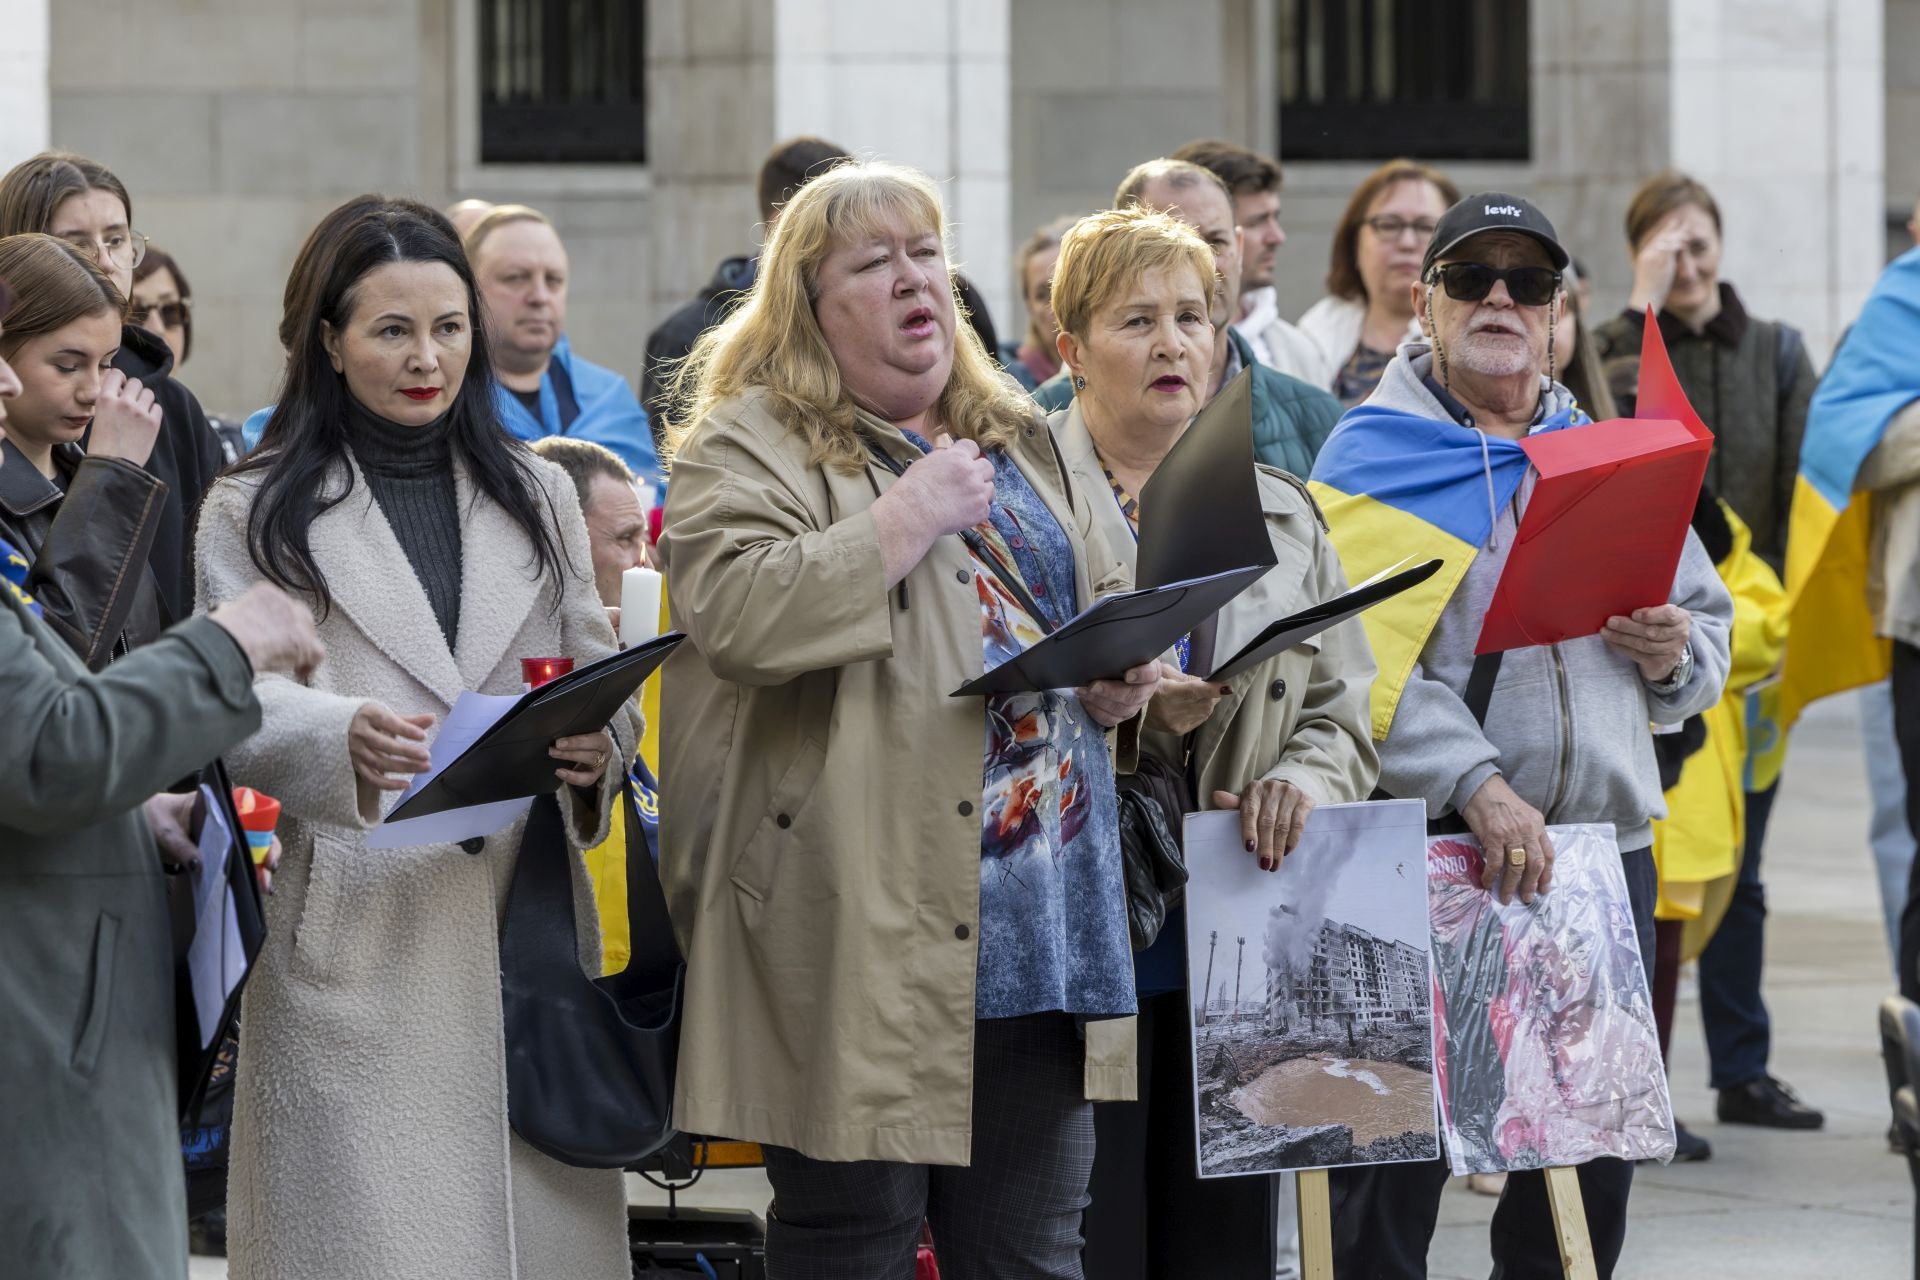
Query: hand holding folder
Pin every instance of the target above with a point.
(1606, 524)
(499, 746)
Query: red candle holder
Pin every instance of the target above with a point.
(535, 672)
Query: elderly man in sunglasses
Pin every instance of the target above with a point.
(1505, 745)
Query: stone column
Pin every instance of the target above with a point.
(1779, 106)
(23, 80)
(924, 84)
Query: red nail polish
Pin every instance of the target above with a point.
(1251, 846)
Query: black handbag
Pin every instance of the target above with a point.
(590, 1061)
(1156, 871)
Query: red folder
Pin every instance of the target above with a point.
(1603, 532)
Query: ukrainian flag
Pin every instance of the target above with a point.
(1395, 485)
(1831, 646)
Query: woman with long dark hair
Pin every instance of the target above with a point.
(370, 1124)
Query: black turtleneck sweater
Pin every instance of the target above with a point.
(410, 470)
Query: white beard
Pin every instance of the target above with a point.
(1493, 356)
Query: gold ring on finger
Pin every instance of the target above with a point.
(1517, 857)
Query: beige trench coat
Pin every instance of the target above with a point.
(370, 1131)
(1300, 716)
(820, 833)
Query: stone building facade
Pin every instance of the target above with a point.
(237, 123)
(1354, 977)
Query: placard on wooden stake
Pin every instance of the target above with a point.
(1563, 1193)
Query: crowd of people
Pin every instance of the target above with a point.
(910, 976)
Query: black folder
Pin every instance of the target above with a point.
(510, 760)
(1280, 636)
(197, 1048)
(1114, 634)
(1203, 540)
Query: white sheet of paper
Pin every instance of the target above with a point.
(472, 715)
(215, 961)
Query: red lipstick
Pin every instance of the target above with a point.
(419, 393)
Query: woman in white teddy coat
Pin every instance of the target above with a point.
(370, 1118)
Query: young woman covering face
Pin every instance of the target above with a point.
(81, 202)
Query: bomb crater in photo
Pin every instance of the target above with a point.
(1377, 1099)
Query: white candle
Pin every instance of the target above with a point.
(639, 607)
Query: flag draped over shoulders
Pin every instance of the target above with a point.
(1831, 645)
(1394, 484)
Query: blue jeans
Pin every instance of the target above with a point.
(1891, 840)
(1739, 1033)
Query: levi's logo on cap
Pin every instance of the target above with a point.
(1512, 211)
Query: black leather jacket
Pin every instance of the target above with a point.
(89, 538)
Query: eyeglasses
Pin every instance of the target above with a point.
(1473, 281)
(1391, 226)
(172, 314)
(120, 248)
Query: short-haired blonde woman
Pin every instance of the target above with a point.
(1131, 290)
(1378, 245)
(908, 964)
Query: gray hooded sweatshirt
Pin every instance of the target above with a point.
(1569, 725)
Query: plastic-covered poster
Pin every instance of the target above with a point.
(1544, 1040)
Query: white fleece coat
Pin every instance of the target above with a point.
(370, 1134)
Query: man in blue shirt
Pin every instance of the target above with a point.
(545, 388)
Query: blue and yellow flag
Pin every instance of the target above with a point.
(1831, 646)
(13, 576)
(1395, 485)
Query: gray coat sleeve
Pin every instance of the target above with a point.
(1697, 589)
(80, 749)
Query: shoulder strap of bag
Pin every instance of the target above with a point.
(1479, 695)
(1786, 358)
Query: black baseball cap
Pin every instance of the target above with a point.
(1492, 211)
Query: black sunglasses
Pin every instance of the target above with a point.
(1472, 281)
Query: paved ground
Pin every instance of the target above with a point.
(1769, 1206)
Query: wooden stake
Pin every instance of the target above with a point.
(1316, 1225)
(1569, 1224)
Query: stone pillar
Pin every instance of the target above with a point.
(24, 116)
(1779, 106)
(923, 84)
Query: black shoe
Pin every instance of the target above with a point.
(1897, 1141)
(1688, 1146)
(1768, 1103)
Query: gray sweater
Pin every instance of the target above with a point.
(1569, 724)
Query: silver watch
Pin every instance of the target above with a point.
(1683, 669)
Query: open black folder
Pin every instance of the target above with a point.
(510, 761)
(1203, 540)
(1280, 636)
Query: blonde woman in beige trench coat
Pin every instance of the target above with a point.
(370, 1118)
(833, 840)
